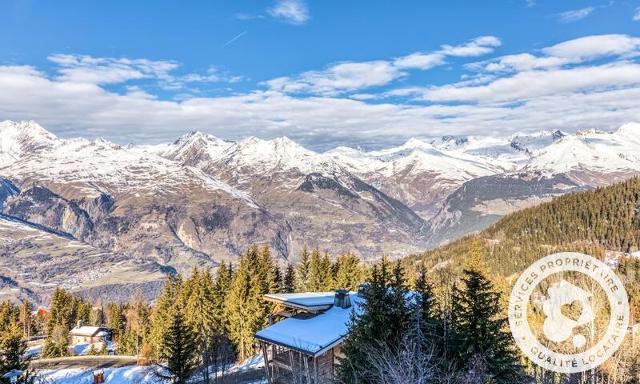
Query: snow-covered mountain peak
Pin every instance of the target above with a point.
(629, 130)
(197, 136)
(21, 138)
(599, 151)
(29, 127)
(193, 148)
(415, 143)
(277, 154)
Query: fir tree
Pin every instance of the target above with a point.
(12, 355)
(478, 326)
(381, 324)
(117, 321)
(349, 273)
(200, 316)
(26, 318)
(289, 281)
(320, 272)
(279, 280)
(160, 316)
(304, 267)
(138, 315)
(222, 284)
(179, 356)
(62, 316)
(245, 308)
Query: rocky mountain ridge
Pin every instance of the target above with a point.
(202, 200)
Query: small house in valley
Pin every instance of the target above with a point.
(83, 334)
(303, 342)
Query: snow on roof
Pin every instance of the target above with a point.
(86, 331)
(315, 334)
(305, 300)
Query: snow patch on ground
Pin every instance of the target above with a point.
(123, 375)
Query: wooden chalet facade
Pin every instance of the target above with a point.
(303, 347)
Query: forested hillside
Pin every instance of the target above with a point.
(604, 223)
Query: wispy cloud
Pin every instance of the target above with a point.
(236, 37)
(526, 76)
(353, 76)
(101, 70)
(636, 15)
(248, 16)
(575, 15)
(84, 69)
(293, 12)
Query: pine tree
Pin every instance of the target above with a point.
(381, 324)
(200, 316)
(289, 281)
(117, 321)
(327, 274)
(26, 318)
(222, 284)
(349, 273)
(62, 317)
(12, 355)
(160, 316)
(179, 355)
(304, 267)
(320, 272)
(279, 280)
(138, 315)
(244, 305)
(478, 326)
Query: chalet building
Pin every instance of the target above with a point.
(83, 334)
(303, 342)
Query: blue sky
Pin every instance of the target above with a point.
(323, 72)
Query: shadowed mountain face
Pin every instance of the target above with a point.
(139, 212)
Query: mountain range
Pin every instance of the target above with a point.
(107, 219)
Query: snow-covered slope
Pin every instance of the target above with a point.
(201, 199)
(194, 148)
(417, 156)
(18, 139)
(417, 172)
(591, 150)
(277, 155)
(516, 149)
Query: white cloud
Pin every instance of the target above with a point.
(419, 60)
(531, 84)
(352, 76)
(636, 16)
(519, 62)
(592, 47)
(529, 95)
(338, 78)
(570, 52)
(291, 11)
(106, 70)
(476, 47)
(575, 15)
(87, 69)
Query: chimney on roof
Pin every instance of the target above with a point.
(342, 299)
(79, 324)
